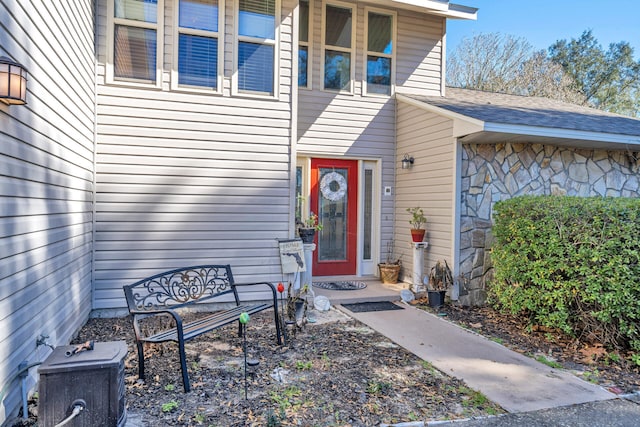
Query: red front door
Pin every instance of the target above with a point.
(334, 195)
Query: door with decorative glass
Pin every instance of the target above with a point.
(334, 196)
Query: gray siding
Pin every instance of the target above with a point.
(334, 125)
(46, 184)
(429, 184)
(420, 53)
(186, 179)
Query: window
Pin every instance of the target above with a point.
(197, 44)
(256, 61)
(304, 61)
(337, 47)
(367, 215)
(135, 51)
(379, 56)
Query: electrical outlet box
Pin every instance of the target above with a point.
(387, 191)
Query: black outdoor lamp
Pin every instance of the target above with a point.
(407, 162)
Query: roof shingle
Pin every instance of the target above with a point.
(531, 111)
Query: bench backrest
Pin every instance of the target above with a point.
(177, 288)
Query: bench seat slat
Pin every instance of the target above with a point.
(206, 324)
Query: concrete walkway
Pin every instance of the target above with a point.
(513, 381)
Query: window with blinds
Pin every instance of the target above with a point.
(380, 41)
(304, 44)
(135, 40)
(337, 47)
(256, 46)
(198, 43)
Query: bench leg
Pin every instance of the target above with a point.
(183, 364)
(277, 320)
(140, 346)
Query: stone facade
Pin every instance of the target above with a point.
(494, 172)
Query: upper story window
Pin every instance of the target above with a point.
(304, 46)
(197, 44)
(135, 51)
(380, 52)
(256, 60)
(337, 47)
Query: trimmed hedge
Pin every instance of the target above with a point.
(571, 263)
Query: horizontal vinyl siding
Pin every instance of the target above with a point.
(353, 126)
(420, 53)
(46, 183)
(331, 124)
(429, 184)
(186, 178)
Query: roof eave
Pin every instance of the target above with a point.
(445, 9)
(591, 139)
(473, 130)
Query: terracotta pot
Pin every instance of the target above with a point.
(417, 235)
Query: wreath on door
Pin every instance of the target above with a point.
(333, 186)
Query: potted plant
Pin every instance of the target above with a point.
(417, 221)
(308, 227)
(390, 269)
(440, 279)
(297, 304)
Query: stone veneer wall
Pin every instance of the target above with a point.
(491, 173)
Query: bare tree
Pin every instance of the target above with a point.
(502, 63)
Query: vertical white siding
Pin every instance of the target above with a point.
(46, 182)
(429, 184)
(186, 178)
(356, 126)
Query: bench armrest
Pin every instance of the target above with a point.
(142, 314)
(270, 285)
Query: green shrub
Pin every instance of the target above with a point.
(570, 263)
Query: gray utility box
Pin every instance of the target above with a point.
(95, 376)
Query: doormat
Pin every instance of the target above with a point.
(340, 286)
(361, 307)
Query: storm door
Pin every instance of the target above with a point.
(334, 195)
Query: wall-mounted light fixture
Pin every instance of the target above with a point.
(407, 162)
(13, 82)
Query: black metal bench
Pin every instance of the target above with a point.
(163, 293)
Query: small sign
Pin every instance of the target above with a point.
(292, 256)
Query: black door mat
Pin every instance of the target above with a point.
(361, 307)
(340, 286)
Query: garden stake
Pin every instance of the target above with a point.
(244, 319)
(284, 326)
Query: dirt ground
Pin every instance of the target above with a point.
(335, 372)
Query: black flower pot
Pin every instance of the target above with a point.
(307, 234)
(299, 304)
(436, 298)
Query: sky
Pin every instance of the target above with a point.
(543, 22)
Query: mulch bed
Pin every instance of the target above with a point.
(588, 360)
(336, 373)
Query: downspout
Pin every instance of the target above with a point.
(457, 201)
(443, 59)
(95, 149)
(294, 118)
